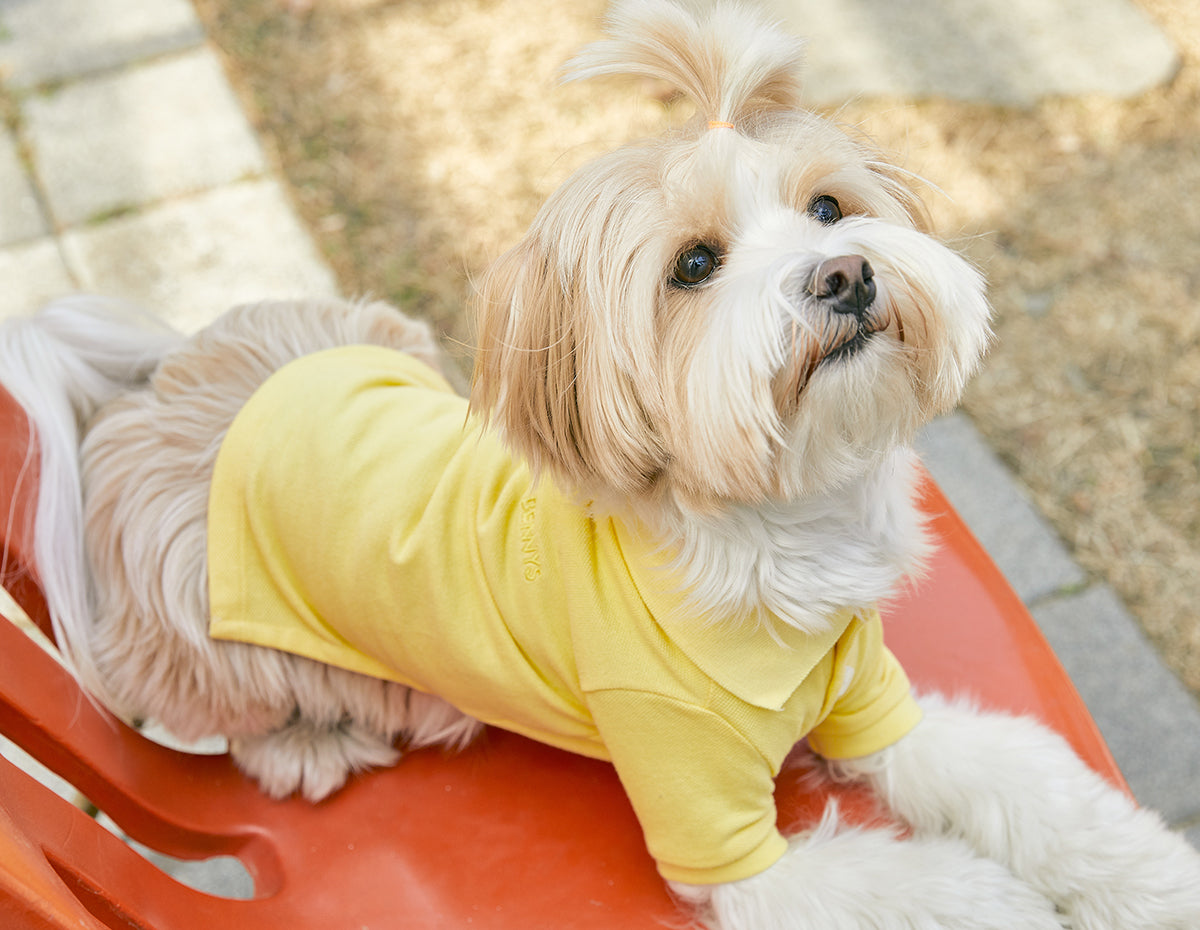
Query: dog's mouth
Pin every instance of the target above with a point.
(851, 347)
(844, 338)
(852, 333)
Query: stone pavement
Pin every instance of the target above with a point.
(1011, 52)
(127, 167)
(131, 169)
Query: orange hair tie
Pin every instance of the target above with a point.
(719, 124)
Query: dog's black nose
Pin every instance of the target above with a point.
(845, 283)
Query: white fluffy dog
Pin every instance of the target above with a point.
(658, 538)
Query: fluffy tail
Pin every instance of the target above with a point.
(61, 366)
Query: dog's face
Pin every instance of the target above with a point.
(737, 313)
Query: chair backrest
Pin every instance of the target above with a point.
(506, 834)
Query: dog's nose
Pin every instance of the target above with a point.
(845, 283)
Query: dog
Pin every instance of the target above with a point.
(655, 533)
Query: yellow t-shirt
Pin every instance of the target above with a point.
(358, 517)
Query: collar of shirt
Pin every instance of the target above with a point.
(761, 661)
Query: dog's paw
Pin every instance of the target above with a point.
(308, 758)
(1016, 792)
(842, 879)
(1147, 878)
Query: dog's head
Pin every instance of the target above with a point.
(747, 309)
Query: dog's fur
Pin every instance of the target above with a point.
(736, 419)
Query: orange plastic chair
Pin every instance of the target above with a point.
(507, 834)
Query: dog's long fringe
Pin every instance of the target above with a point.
(61, 366)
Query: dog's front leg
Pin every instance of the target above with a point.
(843, 878)
(1016, 793)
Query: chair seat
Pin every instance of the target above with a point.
(506, 834)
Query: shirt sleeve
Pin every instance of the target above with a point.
(703, 794)
(876, 707)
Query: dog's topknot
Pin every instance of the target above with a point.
(728, 58)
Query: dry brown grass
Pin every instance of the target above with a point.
(419, 137)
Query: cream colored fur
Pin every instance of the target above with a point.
(146, 462)
(751, 426)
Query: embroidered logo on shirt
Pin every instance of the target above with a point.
(532, 565)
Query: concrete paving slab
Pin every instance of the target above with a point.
(26, 763)
(41, 41)
(1019, 540)
(222, 876)
(138, 136)
(1149, 720)
(32, 272)
(20, 216)
(192, 259)
(1016, 52)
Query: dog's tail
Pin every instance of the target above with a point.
(61, 365)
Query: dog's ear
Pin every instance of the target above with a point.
(547, 377)
(525, 380)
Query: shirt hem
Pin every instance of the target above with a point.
(885, 732)
(761, 859)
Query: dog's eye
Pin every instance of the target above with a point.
(825, 210)
(695, 265)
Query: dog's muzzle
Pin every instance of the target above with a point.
(845, 288)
